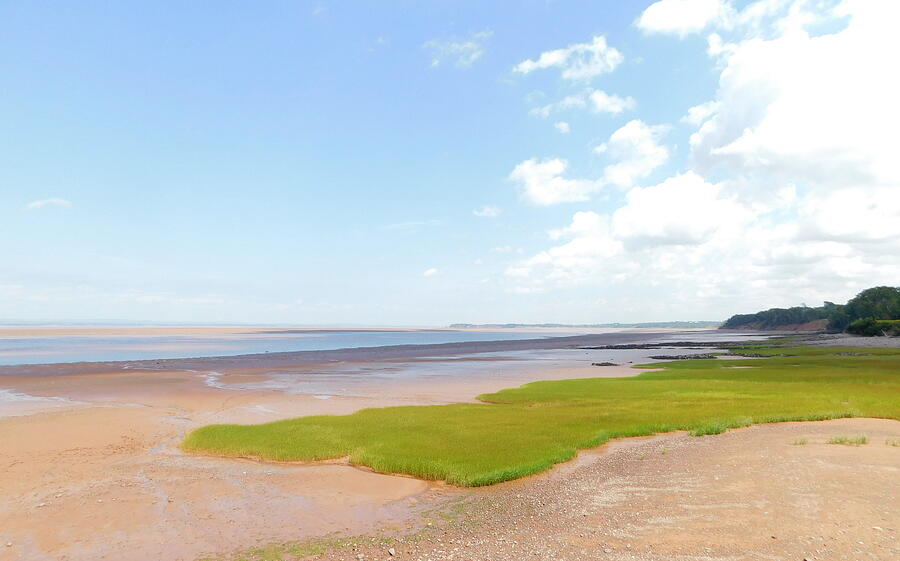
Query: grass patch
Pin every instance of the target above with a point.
(811, 350)
(800, 442)
(895, 443)
(526, 430)
(849, 440)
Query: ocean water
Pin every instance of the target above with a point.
(104, 347)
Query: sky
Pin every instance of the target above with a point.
(423, 163)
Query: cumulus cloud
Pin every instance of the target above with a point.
(487, 211)
(463, 52)
(430, 272)
(603, 102)
(42, 203)
(805, 200)
(638, 151)
(828, 126)
(697, 114)
(574, 101)
(681, 17)
(581, 61)
(562, 127)
(587, 242)
(682, 210)
(634, 148)
(542, 182)
(597, 101)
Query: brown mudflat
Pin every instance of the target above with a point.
(95, 471)
(108, 483)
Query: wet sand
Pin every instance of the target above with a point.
(90, 469)
(108, 483)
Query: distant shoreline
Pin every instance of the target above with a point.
(354, 354)
(643, 325)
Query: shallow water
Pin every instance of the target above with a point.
(95, 348)
(13, 403)
(382, 378)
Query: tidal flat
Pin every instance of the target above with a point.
(94, 468)
(526, 430)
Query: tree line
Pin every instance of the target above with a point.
(874, 311)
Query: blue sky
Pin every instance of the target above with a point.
(403, 163)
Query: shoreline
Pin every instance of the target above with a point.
(354, 354)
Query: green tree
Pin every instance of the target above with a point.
(881, 302)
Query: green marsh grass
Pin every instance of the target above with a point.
(526, 430)
(849, 440)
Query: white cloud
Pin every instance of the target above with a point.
(562, 127)
(54, 201)
(464, 52)
(487, 211)
(574, 101)
(831, 125)
(697, 114)
(597, 101)
(430, 272)
(682, 210)
(681, 17)
(683, 233)
(637, 149)
(852, 215)
(542, 182)
(603, 102)
(587, 243)
(799, 137)
(581, 61)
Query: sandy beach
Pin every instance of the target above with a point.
(91, 467)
